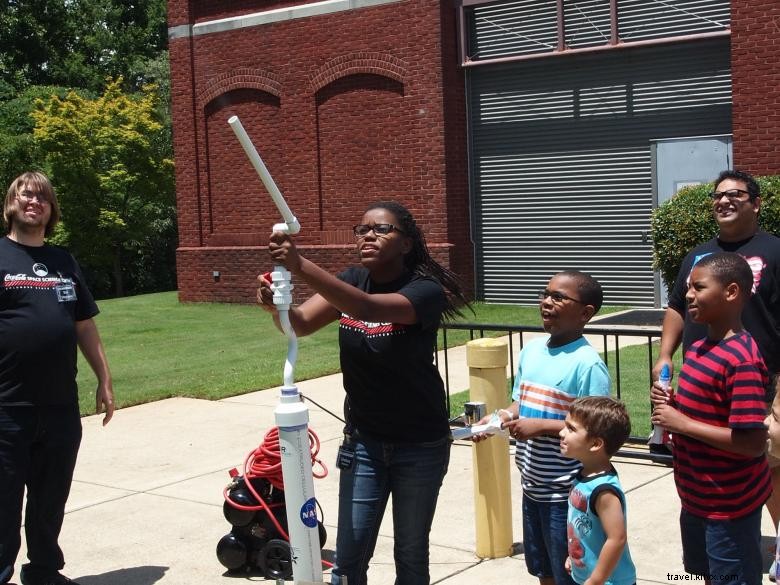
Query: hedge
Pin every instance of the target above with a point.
(686, 220)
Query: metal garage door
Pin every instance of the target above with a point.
(560, 160)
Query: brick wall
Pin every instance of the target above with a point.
(345, 109)
(239, 266)
(755, 70)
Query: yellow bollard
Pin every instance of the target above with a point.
(487, 360)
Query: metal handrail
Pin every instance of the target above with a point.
(635, 444)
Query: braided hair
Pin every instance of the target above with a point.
(419, 261)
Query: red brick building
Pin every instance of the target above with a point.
(755, 66)
(351, 101)
(344, 107)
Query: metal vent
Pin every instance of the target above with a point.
(603, 101)
(584, 210)
(670, 94)
(651, 19)
(498, 108)
(521, 27)
(561, 161)
(587, 23)
(530, 27)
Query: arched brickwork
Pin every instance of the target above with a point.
(241, 78)
(229, 172)
(360, 156)
(357, 63)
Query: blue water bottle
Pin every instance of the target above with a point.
(665, 379)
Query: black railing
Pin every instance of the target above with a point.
(636, 446)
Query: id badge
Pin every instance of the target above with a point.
(65, 292)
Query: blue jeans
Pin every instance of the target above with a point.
(412, 473)
(716, 548)
(545, 543)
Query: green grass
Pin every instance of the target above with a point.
(158, 348)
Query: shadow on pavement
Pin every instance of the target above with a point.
(147, 575)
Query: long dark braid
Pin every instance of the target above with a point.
(419, 259)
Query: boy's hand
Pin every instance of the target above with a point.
(669, 418)
(657, 395)
(522, 429)
(567, 565)
(503, 415)
(481, 436)
(659, 365)
(490, 425)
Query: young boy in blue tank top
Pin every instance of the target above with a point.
(595, 428)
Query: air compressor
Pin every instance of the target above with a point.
(255, 508)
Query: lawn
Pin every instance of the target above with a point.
(158, 348)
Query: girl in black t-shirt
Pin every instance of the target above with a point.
(397, 436)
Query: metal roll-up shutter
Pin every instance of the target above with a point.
(507, 28)
(640, 20)
(516, 27)
(561, 165)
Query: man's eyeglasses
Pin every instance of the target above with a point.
(731, 194)
(379, 229)
(28, 196)
(557, 297)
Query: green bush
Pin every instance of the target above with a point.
(686, 220)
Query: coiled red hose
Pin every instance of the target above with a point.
(266, 462)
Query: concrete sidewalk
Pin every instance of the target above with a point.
(146, 503)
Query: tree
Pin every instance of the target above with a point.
(17, 148)
(109, 163)
(78, 43)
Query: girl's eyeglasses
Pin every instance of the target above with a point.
(379, 229)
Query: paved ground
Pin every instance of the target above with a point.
(146, 504)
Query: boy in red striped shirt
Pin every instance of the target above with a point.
(716, 418)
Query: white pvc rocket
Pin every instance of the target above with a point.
(292, 414)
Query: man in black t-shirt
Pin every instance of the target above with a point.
(736, 202)
(46, 310)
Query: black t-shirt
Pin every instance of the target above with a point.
(42, 295)
(394, 389)
(761, 316)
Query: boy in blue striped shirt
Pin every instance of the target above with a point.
(552, 372)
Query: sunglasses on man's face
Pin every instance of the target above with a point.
(731, 195)
(379, 229)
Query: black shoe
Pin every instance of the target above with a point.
(34, 576)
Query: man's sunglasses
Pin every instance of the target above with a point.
(731, 195)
